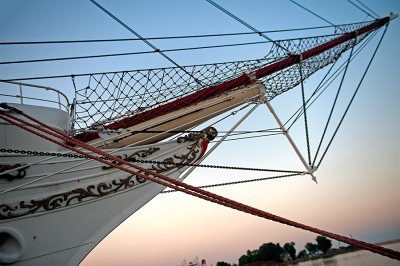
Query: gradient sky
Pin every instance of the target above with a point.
(359, 180)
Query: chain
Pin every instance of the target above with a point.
(239, 182)
(42, 153)
(69, 155)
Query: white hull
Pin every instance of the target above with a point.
(76, 202)
(65, 237)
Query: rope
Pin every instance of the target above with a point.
(333, 105)
(298, 111)
(304, 112)
(177, 185)
(132, 53)
(245, 24)
(352, 98)
(325, 83)
(358, 7)
(146, 52)
(253, 137)
(163, 38)
(175, 37)
(315, 14)
(377, 16)
(143, 39)
(229, 115)
(350, 26)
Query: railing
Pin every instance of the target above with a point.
(61, 99)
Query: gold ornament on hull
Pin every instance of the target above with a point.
(75, 196)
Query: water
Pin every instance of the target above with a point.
(357, 258)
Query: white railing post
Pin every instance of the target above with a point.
(59, 101)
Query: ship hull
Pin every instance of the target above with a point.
(55, 207)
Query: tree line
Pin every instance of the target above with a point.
(275, 252)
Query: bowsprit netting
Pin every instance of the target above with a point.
(289, 77)
(110, 97)
(135, 96)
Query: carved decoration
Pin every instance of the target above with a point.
(59, 200)
(134, 156)
(65, 199)
(5, 167)
(194, 147)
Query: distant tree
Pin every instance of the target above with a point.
(270, 251)
(324, 244)
(253, 256)
(289, 248)
(311, 248)
(302, 254)
(243, 260)
(223, 263)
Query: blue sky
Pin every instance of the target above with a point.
(359, 179)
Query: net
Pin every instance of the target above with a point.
(134, 96)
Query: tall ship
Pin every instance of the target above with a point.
(73, 169)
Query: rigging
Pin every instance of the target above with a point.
(367, 13)
(245, 24)
(163, 37)
(352, 98)
(143, 39)
(326, 82)
(132, 53)
(315, 14)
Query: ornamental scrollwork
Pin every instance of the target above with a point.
(8, 211)
(64, 199)
(194, 147)
(134, 156)
(6, 167)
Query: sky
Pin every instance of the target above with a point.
(358, 182)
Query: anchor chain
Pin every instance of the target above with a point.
(69, 155)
